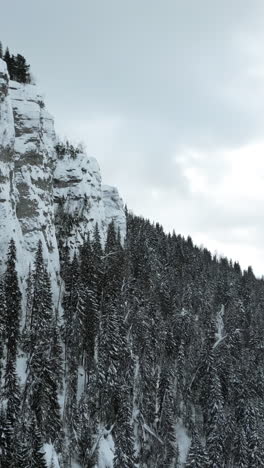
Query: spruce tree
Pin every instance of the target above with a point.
(124, 440)
(167, 430)
(215, 421)
(11, 391)
(33, 456)
(7, 59)
(44, 373)
(21, 69)
(197, 456)
(3, 315)
(13, 302)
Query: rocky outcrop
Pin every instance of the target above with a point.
(78, 198)
(9, 225)
(38, 188)
(33, 173)
(82, 202)
(114, 209)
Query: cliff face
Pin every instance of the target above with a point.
(37, 186)
(9, 225)
(114, 209)
(33, 168)
(81, 201)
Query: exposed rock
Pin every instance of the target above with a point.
(36, 185)
(114, 209)
(78, 193)
(9, 225)
(33, 167)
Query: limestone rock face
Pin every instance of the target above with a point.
(82, 202)
(33, 173)
(9, 225)
(78, 198)
(38, 188)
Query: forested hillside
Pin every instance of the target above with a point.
(154, 360)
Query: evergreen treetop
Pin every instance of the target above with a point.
(17, 66)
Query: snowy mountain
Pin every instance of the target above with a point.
(36, 183)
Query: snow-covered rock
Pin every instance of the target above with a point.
(33, 174)
(114, 209)
(106, 452)
(78, 194)
(35, 183)
(9, 225)
(51, 456)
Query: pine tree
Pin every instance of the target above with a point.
(3, 316)
(197, 456)
(21, 69)
(11, 392)
(88, 426)
(1, 50)
(25, 339)
(88, 314)
(8, 453)
(44, 368)
(17, 66)
(167, 430)
(97, 260)
(41, 311)
(33, 453)
(6, 436)
(13, 302)
(7, 59)
(56, 355)
(70, 300)
(113, 264)
(240, 450)
(215, 421)
(124, 442)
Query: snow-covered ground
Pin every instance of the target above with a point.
(106, 452)
(183, 441)
(219, 335)
(51, 456)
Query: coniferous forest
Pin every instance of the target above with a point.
(158, 344)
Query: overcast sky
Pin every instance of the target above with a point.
(168, 95)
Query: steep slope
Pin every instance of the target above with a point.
(82, 202)
(114, 209)
(9, 225)
(36, 185)
(33, 167)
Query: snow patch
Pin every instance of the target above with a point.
(81, 382)
(183, 441)
(21, 368)
(219, 335)
(51, 456)
(106, 452)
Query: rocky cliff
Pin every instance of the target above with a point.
(36, 185)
